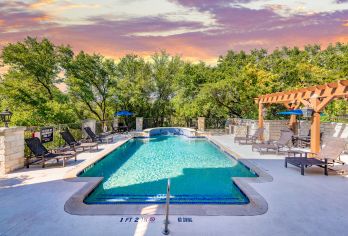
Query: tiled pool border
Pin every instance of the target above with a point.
(257, 204)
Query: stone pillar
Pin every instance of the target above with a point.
(139, 124)
(201, 123)
(11, 149)
(91, 123)
(241, 130)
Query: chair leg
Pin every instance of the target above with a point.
(325, 168)
(27, 162)
(43, 162)
(286, 163)
(302, 169)
(64, 162)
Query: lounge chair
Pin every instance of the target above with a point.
(70, 140)
(304, 140)
(41, 154)
(329, 155)
(97, 138)
(284, 140)
(251, 138)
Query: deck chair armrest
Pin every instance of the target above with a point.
(84, 140)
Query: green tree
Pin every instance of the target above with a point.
(90, 79)
(165, 69)
(29, 87)
(134, 85)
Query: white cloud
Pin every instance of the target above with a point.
(290, 7)
(68, 12)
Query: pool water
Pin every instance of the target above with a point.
(137, 172)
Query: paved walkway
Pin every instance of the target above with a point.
(32, 201)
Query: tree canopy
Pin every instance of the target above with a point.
(47, 83)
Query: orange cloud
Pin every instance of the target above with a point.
(346, 23)
(42, 18)
(2, 22)
(41, 3)
(74, 6)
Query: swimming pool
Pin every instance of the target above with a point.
(137, 173)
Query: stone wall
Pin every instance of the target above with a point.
(11, 149)
(329, 129)
(273, 127)
(91, 123)
(240, 130)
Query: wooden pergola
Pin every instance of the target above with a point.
(315, 97)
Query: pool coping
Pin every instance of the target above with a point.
(257, 204)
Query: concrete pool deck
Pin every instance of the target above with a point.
(32, 203)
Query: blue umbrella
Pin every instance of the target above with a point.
(291, 112)
(297, 112)
(124, 113)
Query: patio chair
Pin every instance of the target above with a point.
(328, 155)
(120, 129)
(71, 141)
(284, 140)
(251, 138)
(98, 138)
(304, 140)
(43, 155)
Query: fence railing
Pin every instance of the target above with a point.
(169, 122)
(215, 123)
(74, 128)
(130, 122)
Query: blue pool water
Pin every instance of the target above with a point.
(137, 172)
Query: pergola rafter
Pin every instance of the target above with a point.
(314, 97)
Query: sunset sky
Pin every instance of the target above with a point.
(195, 29)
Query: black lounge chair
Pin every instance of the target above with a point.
(250, 138)
(329, 155)
(284, 140)
(41, 154)
(71, 141)
(97, 138)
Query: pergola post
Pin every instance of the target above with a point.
(293, 123)
(261, 118)
(315, 132)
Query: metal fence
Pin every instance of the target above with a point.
(110, 125)
(215, 123)
(169, 122)
(74, 128)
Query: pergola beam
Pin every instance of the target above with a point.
(335, 89)
(315, 97)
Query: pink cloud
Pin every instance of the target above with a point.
(239, 29)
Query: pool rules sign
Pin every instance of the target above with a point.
(46, 134)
